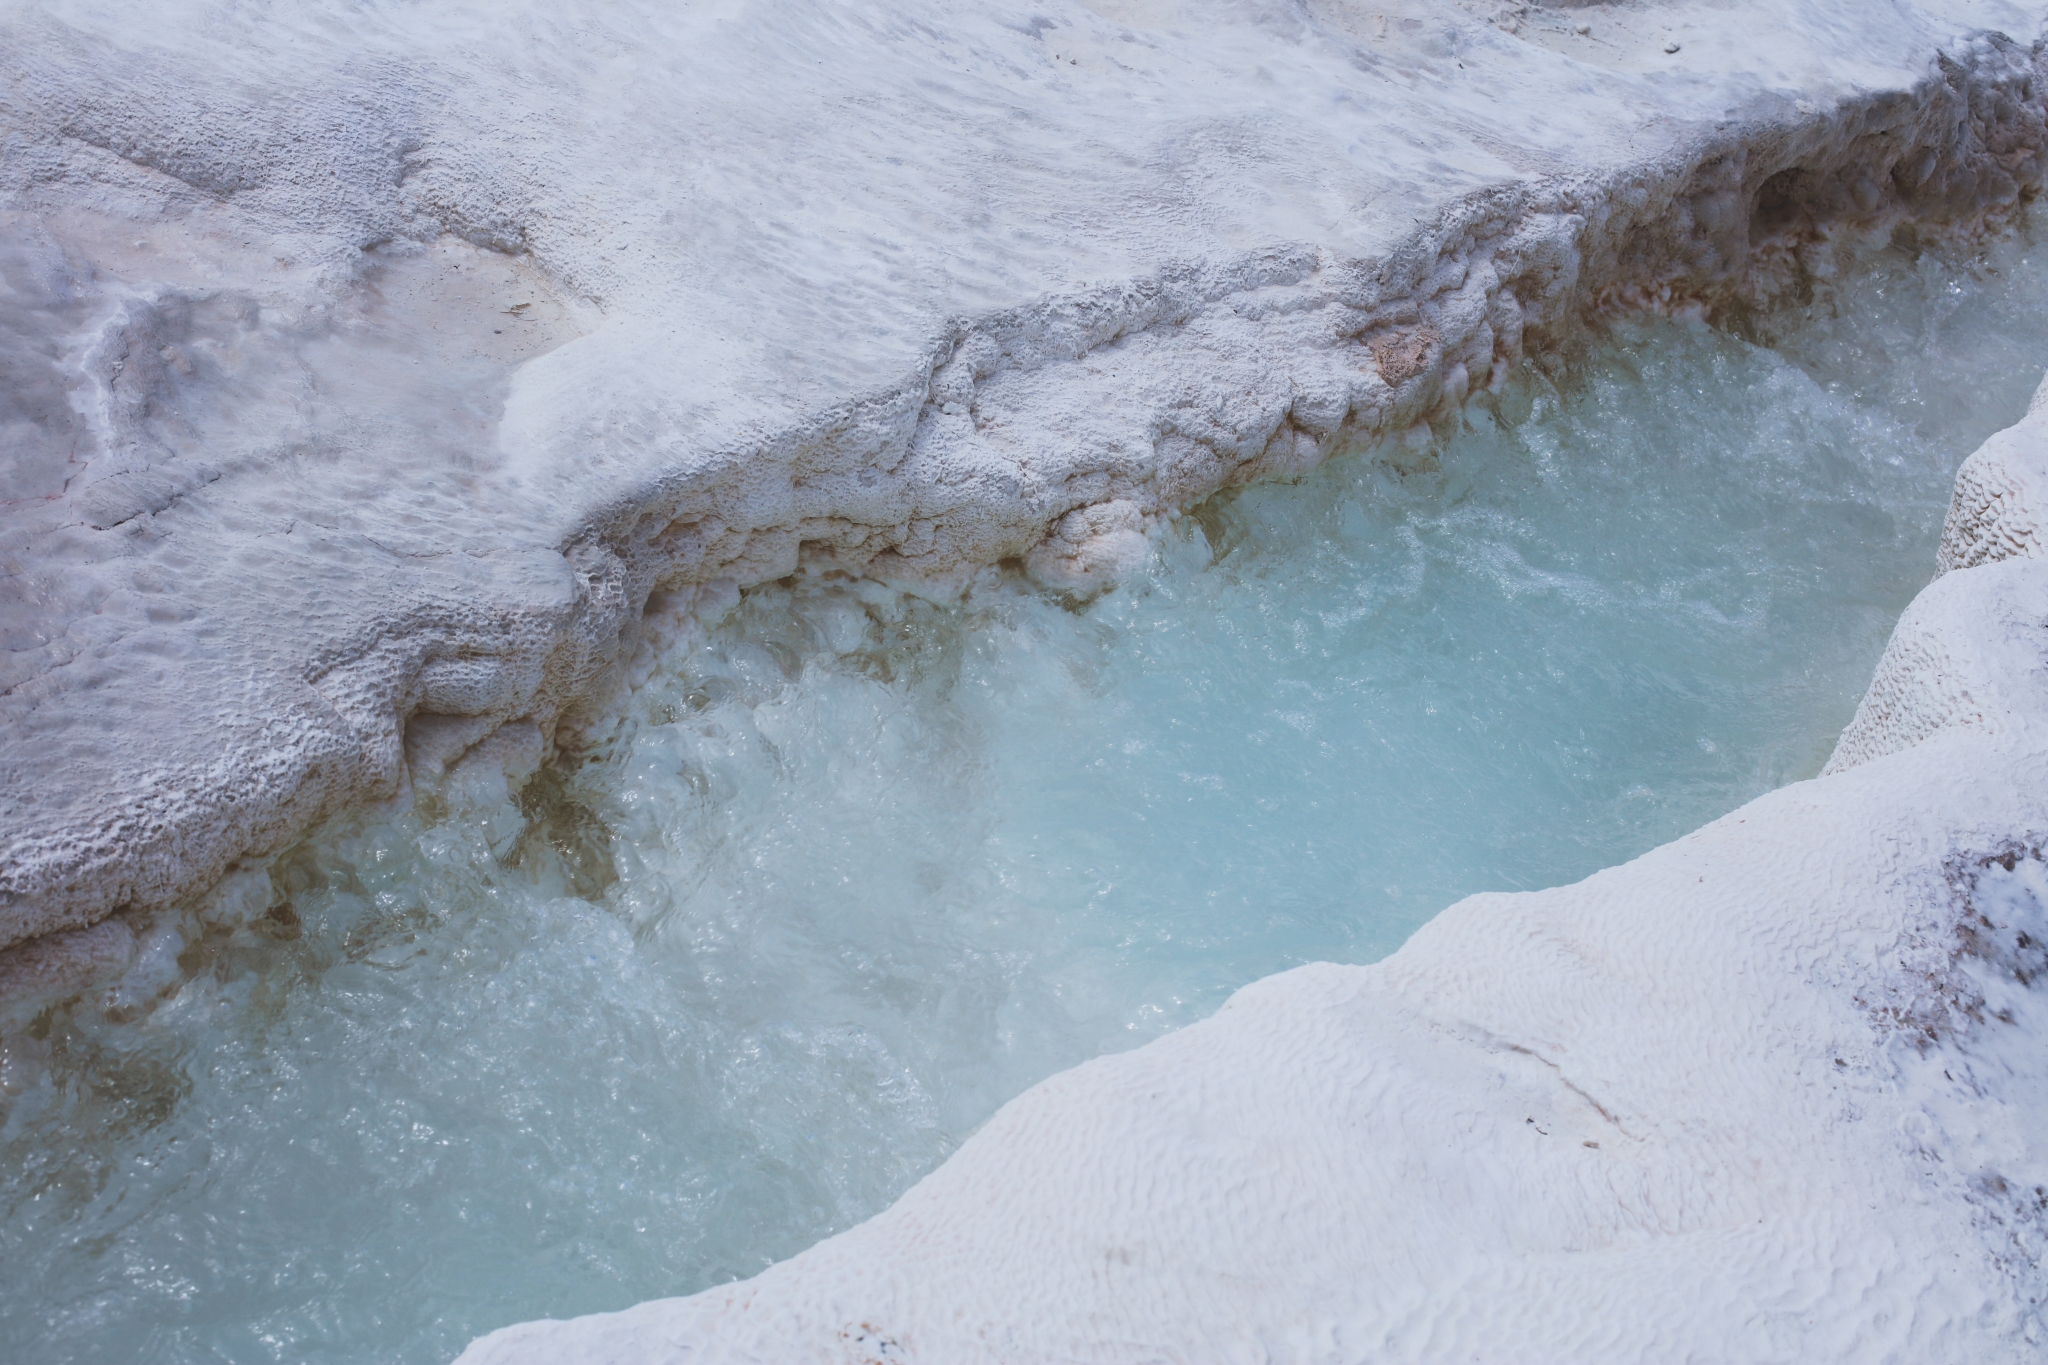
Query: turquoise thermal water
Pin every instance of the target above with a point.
(854, 869)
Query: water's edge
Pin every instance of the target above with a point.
(1798, 1047)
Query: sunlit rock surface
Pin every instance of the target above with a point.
(373, 367)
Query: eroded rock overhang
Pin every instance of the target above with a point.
(379, 404)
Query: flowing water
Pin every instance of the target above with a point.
(853, 869)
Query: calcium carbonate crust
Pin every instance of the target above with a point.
(383, 407)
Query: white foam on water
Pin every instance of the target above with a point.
(855, 868)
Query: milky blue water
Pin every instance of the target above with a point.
(854, 869)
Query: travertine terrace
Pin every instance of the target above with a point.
(384, 388)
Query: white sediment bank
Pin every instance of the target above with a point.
(392, 384)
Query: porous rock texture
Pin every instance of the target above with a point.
(379, 382)
(1997, 511)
